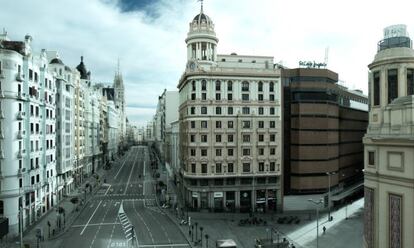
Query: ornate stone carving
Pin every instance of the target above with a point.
(369, 218)
(395, 220)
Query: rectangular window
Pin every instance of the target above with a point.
(204, 138)
(260, 97)
(230, 152)
(272, 138)
(261, 151)
(193, 86)
(204, 168)
(272, 166)
(218, 96)
(246, 138)
(193, 168)
(230, 124)
(218, 168)
(203, 85)
(261, 111)
(230, 138)
(218, 124)
(192, 124)
(245, 97)
(218, 138)
(246, 124)
(261, 124)
(203, 96)
(246, 110)
(271, 97)
(203, 110)
(218, 152)
(230, 110)
(272, 111)
(230, 168)
(192, 138)
(230, 97)
(376, 86)
(203, 124)
(193, 152)
(204, 152)
(246, 167)
(229, 86)
(261, 166)
(271, 87)
(272, 124)
(218, 110)
(272, 151)
(371, 158)
(410, 82)
(193, 96)
(261, 137)
(246, 152)
(192, 110)
(392, 84)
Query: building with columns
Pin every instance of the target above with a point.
(389, 145)
(230, 126)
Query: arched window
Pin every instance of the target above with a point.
(245, 86)
(229, 85)
(260, 86)
(218, 85)
(271, 87)
(203, 85)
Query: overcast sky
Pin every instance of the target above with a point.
(148, 36)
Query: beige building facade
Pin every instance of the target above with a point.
(230, 127)
(389, 144)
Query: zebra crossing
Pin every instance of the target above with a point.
(126, 224)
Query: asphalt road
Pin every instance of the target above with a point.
(125, 204)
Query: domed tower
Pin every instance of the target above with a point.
(201, 40)
(388, 143)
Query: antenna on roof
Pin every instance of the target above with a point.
(201, 5)
(326, 56)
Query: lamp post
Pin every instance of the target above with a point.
(206, 236)
(196, 224)
(201, 235)
(317, 218)
(329, 193)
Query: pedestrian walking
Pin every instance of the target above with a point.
(324, 229)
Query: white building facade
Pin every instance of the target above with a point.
(388, 144)
(27, 132)
(230, 126)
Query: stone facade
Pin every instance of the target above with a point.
(389, 146)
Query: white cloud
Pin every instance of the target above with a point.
(153, 54)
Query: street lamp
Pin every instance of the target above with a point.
(329, 193)
(196, 224)
(201, 236)
(317, 218)
(206, 236)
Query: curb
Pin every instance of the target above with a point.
(171, 218)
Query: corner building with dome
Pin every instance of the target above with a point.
(230, 127)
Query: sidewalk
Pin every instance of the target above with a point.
(52, 217)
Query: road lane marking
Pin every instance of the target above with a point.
(129, 178)
(91, 217)
(98, 224)
(107, 190)
(143, 221)
(126, 157)
(166, 245)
